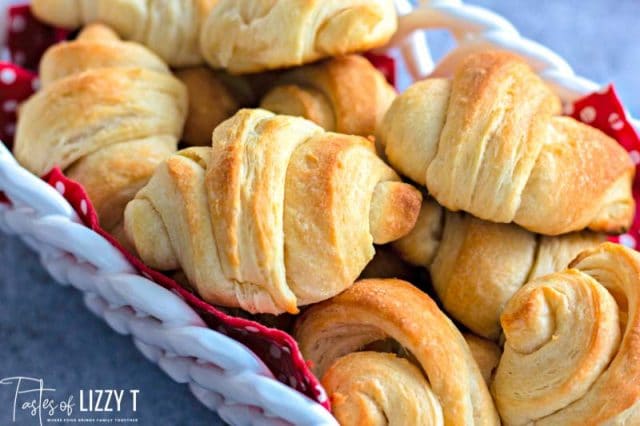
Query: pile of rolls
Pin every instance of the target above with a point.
(246, 146)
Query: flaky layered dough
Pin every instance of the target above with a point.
(486, 354)
(443, 385)
(169, 28)
(246, 36)
(476, 266)
(213, 97)
(345, 94)
(489, 142)
(572, 344)
(277, 214)
(108, 113)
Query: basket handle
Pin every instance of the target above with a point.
(474, 29)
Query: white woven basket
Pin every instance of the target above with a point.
(222, 373)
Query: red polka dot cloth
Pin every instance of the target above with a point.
(275, 348)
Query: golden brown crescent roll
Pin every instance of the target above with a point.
(476, 266)
(246, 36)
(169, 28)
(275, 215)
(572, 344)
(490, 142)
(345, 94)
(108, 113)
(213, 97)
(437, 383)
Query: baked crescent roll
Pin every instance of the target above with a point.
(572, 344)
(486, 353)
(345, 94)
(213, 97)
(108, 112)
(476, 266)
(275, 215)
(490, 142)
(169, 28)
(436, 381)
(246, 36)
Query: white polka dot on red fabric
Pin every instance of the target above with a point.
(35, 84)
(18, 24)
(293, 381)
(252, 329)
(286, 349)
(627, 240)
(60, 187)
(83, 207)
(275, 351)
(615, 121)
(144, 274)
(321, 394)
(10, 105)
(8, 76)
(635, 156)
(588, 114)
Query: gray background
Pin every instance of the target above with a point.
(45, 330)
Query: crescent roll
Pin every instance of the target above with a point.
(213, 97)
(108, 113)
(276, 214)
(434, 381)
(572, 344)
(345, 94)
(246, 36)
(476, 266)
(489, 142)
(169, 28)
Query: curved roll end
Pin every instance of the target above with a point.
(566, 359)
(576, 152)
(394, 211)
(146, 232)
(113, 175)
(301, 101)
(420, 246)
(371, 388)
(410, 130)
(619, 207)
(378, 310)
